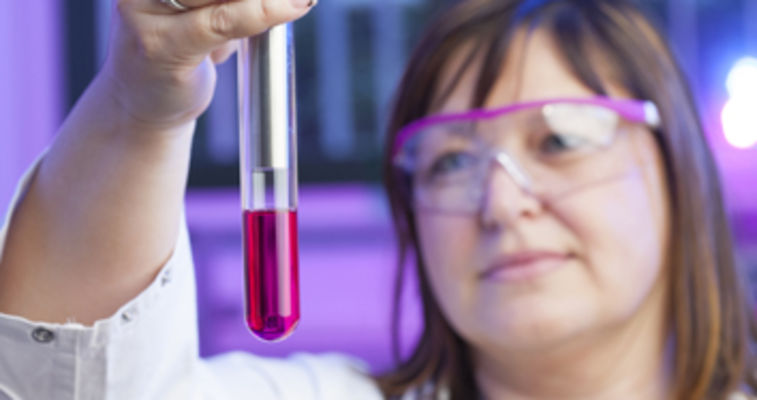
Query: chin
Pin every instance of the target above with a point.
(536, 328)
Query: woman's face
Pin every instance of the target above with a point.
(606, 241)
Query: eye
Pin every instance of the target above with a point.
(451, 163)
(555, 144)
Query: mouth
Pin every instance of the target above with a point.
(524, 265)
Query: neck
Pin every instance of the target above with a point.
(625, 362)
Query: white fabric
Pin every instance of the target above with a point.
(149, 350)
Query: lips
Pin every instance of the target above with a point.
(524, 264)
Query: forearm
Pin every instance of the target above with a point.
(102, 213)
(100, 217)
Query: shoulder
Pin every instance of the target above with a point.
(741, 396)
(302, 376)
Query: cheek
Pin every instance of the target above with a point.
(449, 259)
(622, 230)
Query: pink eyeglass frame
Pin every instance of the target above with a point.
(639, 111)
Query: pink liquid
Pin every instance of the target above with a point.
(271, 273)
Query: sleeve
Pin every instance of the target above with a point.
(148, 350)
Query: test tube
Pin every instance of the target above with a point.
(268, 166)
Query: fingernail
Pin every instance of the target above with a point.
(304, 3)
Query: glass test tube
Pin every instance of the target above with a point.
(268, 164)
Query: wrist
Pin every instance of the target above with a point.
(128, 124)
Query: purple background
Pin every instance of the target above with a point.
(347, 254)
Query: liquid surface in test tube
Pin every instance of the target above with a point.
(271, 273)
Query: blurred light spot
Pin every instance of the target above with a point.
(742, 80)
(739, 116)
(740, 123)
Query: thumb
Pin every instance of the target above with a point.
(200, 31)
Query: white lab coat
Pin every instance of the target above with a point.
(148, 350)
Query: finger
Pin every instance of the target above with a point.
(198, 3)
(221, 54)
(200, 31)
(163, 7)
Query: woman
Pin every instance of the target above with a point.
(562, 236)
(632, 288)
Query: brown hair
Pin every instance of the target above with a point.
(711, 321)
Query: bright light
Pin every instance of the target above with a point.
(742, 80)
(739, 115)
(740, 123)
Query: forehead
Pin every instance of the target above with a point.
(533, 70)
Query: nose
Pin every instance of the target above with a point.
(508, 194)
